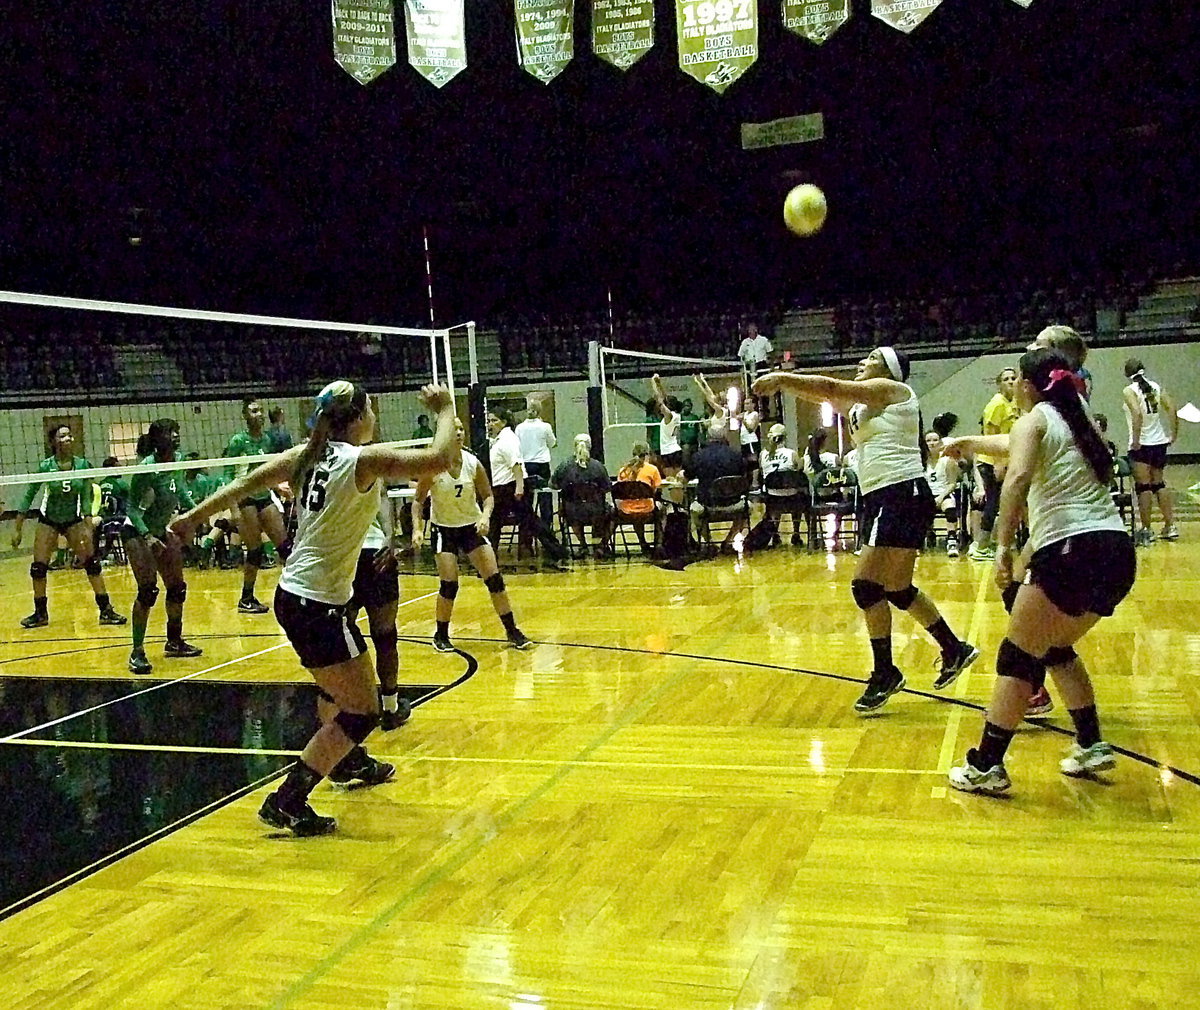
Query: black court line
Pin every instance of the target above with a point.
(826, 675)
(431, 691)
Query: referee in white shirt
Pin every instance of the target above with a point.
(537, 439)
(754, 350)
(508, 486)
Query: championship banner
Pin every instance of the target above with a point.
(545, 36)
(718, 39)
(776, 133)
(364, 37)
(1023, 3)
(816, 20)
(437, 38)
(903, 14)
(622, 30)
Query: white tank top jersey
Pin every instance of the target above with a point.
(1065, 498)
(452, 499)
(1153, 432)
(668, 434)
(888, 440)
(334, 517)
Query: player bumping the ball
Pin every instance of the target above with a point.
(337, 480)
(897, 509)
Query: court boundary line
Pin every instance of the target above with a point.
(169, 683)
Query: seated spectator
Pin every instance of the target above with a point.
(716, 460)
(774, 458)
(639, 468)
(578, 472)
(942, 474)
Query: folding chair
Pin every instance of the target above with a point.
(575, 499)
(728, 501)
(835, 493)
(788, 492)
(635, 491)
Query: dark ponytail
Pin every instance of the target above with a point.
(1135, 370)
(1051, 373)
(816, 442)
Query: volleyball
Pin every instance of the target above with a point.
(804, 209)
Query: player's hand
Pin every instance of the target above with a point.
(482, 526)
(436, 397)
(182, 528)
(418, 538)
(385, 560)
(952, 448)
(1003, 568)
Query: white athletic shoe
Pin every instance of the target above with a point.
(1169, 533)
(1085, 760)
(977, 553)
(951, 547)
(969, 779)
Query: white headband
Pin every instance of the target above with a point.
(893, 362)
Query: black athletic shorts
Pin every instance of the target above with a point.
(899, 515)
(321, 633)
(457, 539)
(1089, 573)
(60, 528)
(373, 588)
(258, 504)
(672, 458)
(1151, 455)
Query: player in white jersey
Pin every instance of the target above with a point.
(1153, 425)
(458, 527)
(335, 473)
(897, 509)
(1082, 565)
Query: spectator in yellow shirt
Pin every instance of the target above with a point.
(998, 417)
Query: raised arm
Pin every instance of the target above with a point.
(966, 446)
(660, 396)
(842, 393)
(270, 473)
(394, 463)
(709, 396)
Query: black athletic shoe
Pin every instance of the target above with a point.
(365, 771)
(179, 649)
(110, 616)
(303, 821)
(517, 639)
(139, 664)
(249, 605)
(950, 669)
(878, 691)
(389, 721)
(442, 643)
(35, 620)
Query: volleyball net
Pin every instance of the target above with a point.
(629, 410)
(103, 371)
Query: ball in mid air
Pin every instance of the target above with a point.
(804, 209)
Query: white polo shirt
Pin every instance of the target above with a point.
(506, 458)
(537, 439)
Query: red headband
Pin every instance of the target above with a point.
(1058, 374)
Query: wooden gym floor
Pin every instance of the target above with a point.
(667, 803)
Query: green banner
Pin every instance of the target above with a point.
(904, 15)
(545, 36)
(816, 20)
(437, 38)
(776, 133)
(364, 37)
(622, 30)
(718, 39)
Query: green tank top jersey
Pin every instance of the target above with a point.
(245, 444)
(60, 501)
(155, 499)
(114, 493)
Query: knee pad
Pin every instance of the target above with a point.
(92, 566)
(38, 570)
(356, 725)
(1009, 595)
(325, 696)
(494, 583)
(1015, 662)
(447, 590)
(146, 595)
(256, 557)
(1160, 486)
(1143, 488)
(176, 594)
(1060, 655)
(386, 639)
(866, 593)
(902, 599)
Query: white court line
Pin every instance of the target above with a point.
(950, 735)
(168, 683)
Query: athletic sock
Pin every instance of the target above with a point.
(390, 700)
(39, 605)
(1087, 725)
(509, 622)
(443, 629)
(881, 649)
(174, 629)
(945, 638)
(300, 781)
(103, 602)
(992, 746)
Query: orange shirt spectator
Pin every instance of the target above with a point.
(639, 468)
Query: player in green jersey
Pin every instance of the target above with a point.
(64, 507)
(152, 549)
(257, 514)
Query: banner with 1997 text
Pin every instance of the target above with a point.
(545, 36)
(718, 39)
(364, 37)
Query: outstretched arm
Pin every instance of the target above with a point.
(709, 396)
(842, 393)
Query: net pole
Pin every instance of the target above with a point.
(472, 356)
(595, 400)
(612, 330)
(433, 355)
(449, 361)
